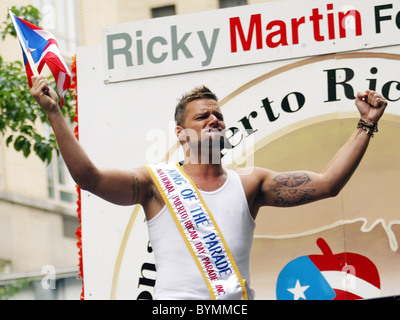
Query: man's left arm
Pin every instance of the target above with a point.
(371, 106)
(300, 187)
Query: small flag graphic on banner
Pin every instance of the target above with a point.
(329, 277)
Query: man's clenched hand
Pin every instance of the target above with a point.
(371, 106)
(45, 96)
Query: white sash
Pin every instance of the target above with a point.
(200, 232)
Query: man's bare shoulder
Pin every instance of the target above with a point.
(253, 177)
(141, 184)
(253, 181)
(143, 172)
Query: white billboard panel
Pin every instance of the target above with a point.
(300, 111)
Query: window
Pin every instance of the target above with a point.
(61, 186)
(5, 266)
(231, 3)
(60, 183)
(70, 224)
(163, 11)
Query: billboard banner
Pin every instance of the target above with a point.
(290, 111)
(241, 36)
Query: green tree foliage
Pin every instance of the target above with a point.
(8, 291)
(19, 112)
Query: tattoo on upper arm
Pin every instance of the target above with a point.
(291, 189)
(135, 188)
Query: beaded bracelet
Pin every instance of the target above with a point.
(370, 128)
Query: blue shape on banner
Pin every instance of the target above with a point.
(300, 279)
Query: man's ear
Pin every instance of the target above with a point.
(180, 133)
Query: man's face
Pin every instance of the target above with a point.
(204, 124)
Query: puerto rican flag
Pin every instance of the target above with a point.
(43, 47)
(342, 276)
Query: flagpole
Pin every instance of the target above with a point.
(31, 63)
(27, 52)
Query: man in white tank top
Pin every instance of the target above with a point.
(233, 198)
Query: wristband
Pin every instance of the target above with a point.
(370, 128)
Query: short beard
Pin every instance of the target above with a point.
(209, 149)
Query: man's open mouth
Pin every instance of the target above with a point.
(214, 130)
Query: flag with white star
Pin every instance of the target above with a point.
(300, 279)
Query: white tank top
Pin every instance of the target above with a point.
(178, 276)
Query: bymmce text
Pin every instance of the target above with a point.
(201, 309)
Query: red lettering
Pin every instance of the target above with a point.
(191, 230)
(331, 23)
(210, 271)
(315, 18)
(255, 24)
(280, 32)
(220, 289)
(189, 224)
(193, 235)
(164, 179)
(180, 208)
(200, 249)
(324, 26)
(342, 22)
(295, 29)
(167, 184)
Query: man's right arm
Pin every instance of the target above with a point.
(117, 186)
